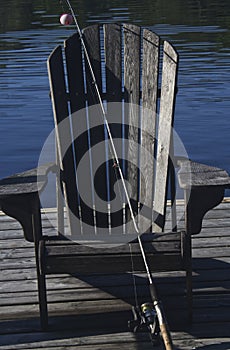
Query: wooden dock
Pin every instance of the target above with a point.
(92, 313)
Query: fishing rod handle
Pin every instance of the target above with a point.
(166, 337)
(164, 329)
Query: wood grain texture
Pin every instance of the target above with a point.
(163, 251)
(93, 311)
(150, 67)
(75, 72)
(166, 254)
(192, 174)
(113, 70)
(30, 181)
(132, 44)
(92, 41)
(63, 132)
(78, 105)
(113, 62)
(166, 115)
(132, 63)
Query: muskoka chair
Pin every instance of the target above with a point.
(137, 84)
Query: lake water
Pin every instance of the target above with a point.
(200, 30)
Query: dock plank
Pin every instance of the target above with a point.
(76, 303)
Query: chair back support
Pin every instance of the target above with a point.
(125, 61)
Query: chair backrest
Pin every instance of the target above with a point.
(132, 75)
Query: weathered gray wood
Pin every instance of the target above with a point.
(74, 65)
(30, 181)
(113, 71)
(113, 64)
(192, 174)
(203, 189)
(148, 123)
(162, 254)
(132, 63)
(169, 254)
(77, 94)
(151, 246)
(19, 195)
(109, 264)
(132, 97)
(150, 67)
(120, 340)
(19, 317)
(96, 118)
(63, 132)
(168, 88)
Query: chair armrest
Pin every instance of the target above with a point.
(19, 198)
(203, 187)
(30, 181)
(192, 174)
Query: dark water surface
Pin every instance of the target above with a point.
(200, 30)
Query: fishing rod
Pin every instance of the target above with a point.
(145, 312)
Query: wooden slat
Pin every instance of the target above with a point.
(113, 70)
(109, 264)
(27, 182)
(59, 288)
(105, 310)
(63, 131)
(119, 340)
(192, 174)
(113, 61)
(164, 252)
(74, 65)
(97, 135)
(91, 37)
(132, 99)
(68, 295)
(148, 123)
(158, 244)
(132, 63)
(168, 85)
(77, 94)
(150, 68)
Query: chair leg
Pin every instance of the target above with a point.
(187, 250)
(42, 301)
(189, 294)
(42, 293)
(41, 280)
(39, 244)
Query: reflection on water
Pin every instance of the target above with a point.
(199, 29)
(24, 14)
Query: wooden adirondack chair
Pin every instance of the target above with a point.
(125, 61)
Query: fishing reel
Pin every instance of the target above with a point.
(145, 319)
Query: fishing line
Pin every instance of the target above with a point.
(94, 82)
(114, 152)
(157, 304)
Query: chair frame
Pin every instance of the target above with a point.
(203, 185)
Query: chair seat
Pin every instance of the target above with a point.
(165, 252)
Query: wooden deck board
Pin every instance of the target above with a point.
(92, 314)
